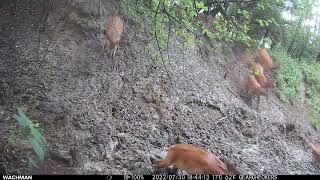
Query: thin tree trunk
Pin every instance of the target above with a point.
(301, 51)
(289, 50)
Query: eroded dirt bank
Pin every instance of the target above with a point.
(114, 120)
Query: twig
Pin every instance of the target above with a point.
(232, 92)
(221, 119)
(43, 58)
(158, 44)
(169, 32)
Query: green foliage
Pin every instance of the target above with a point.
(231, 22)
(301, 39)
(312, 82)
(288, 79)
(246, 23)
(265, 16)
(37, 140)
(289, 82)
(163, 18)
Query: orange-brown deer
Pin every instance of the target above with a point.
(265, 59)
(195, 160)
(257, 71)
(253, 87)
(314, 148)
(114, 31)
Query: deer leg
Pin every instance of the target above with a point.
(258, 103)
(106, 44)
(166, 162)
(173, 170)
(115, 50)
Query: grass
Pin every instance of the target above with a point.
(289, 81)
(312, 82)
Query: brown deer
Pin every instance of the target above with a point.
(257, 71)
(114, 31)
(195, 160)
(265, 59)
(314, 148)
(253, 87)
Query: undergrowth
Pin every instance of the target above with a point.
(162, 19)
(289, 81)
(312, 81)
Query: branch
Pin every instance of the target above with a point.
(158, 44)
(221, 119)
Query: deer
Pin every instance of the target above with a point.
(257, 70)
(253, 87)
(114, 31)
(194, 160)
(265, 59)
(314, 148)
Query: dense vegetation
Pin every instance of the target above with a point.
(292, 26)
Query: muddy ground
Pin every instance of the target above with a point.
(114, 115)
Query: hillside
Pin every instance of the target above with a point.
(113, 115)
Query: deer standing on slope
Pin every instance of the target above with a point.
(114, 31)
(257, 71)
(265, 59)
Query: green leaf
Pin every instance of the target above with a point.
(31, 163)
(22, 114)
(37, 135)
(38, 149)
(21, 121)
(260, 22)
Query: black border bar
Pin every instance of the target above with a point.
(157, 177)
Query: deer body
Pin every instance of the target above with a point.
(315, 149)
(193, 160)
(253, 87)
(265, 59)
(264, 82)
(114, 31)
(257, 70)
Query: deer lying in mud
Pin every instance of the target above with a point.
(194, 160)
(257, 71)
(265, 59)
(114, 31)
(315, 149)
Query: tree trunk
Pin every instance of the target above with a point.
(289, 50)
(301, 51)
